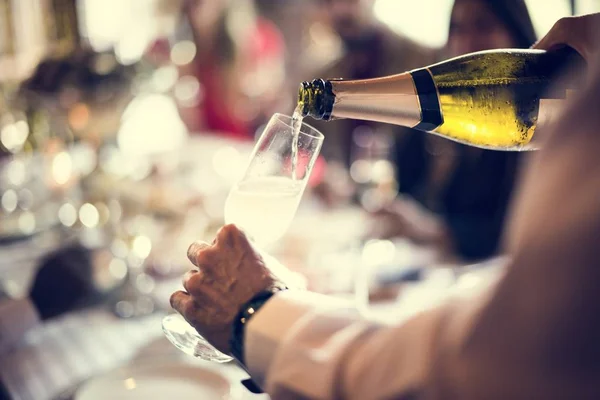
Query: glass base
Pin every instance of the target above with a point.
(183, 336)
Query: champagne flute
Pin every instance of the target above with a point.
(263, 203)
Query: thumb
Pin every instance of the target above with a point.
(564, 33)
(559, 35)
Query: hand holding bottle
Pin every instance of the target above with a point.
(491, 99)
(581, 33)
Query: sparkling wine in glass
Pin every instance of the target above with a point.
(263, 204)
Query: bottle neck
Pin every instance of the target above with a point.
(316, 99)
(391, 99)
(407, 99)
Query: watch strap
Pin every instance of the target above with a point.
(247, 311)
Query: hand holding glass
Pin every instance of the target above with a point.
(263, 204)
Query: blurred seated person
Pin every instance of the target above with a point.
(453, 196)
(65, 281)
(239, 65)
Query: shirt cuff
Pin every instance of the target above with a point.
(275, 320)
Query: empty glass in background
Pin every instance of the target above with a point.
(372, 168)
(263, 203)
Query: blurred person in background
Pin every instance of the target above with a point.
(454, 197)
(293, 18)
(239, 64)
(370, 49)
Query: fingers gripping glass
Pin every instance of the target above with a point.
(263, 204)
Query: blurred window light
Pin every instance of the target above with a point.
(104, 21)
(67, 214)
(89, 216)
(587, 6)
(84, 158)
(427, 21)
(142, 246)
(16, 172)
(164, 78)
(130, 48)
(228, 163)
(360, 171)
(183, 52)
(544, 13)
(118, 268)
(151, 125)
(188, 91)
(127, 26)
(10, 201)
(62, 168)
(13, 136)
(377, 252)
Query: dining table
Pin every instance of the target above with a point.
(58, 357)
(324, 246)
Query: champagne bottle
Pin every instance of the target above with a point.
(491, 99)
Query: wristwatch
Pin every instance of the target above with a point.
(247, 311)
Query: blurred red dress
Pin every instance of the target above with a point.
(262, 46)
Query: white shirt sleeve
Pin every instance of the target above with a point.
(302, 345)
(275, 320)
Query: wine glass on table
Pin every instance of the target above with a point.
(263, 204)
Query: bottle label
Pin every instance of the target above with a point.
(431, 111)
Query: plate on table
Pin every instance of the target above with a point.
(159, 381)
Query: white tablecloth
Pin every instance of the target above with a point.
(69, 350)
